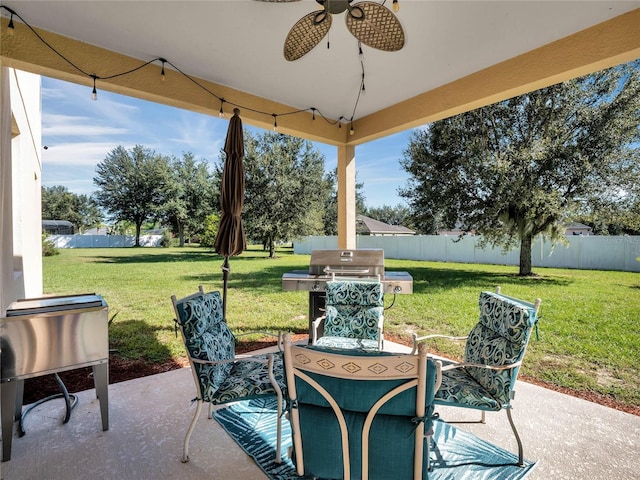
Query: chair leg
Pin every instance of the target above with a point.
(515, 432)
(185, 450)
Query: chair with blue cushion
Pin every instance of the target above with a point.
(353, 318)
(485, 379)
(219, 375)
(360, 415)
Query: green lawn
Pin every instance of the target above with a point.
(589, 328)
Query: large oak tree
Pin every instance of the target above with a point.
(524, 167)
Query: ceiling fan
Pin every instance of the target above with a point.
(370, 22)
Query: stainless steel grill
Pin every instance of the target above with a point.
(46, 336)
(327, 264)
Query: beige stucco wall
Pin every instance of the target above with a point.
(20, 181)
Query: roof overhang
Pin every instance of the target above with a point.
(488, 54)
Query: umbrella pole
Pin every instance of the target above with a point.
(225, 279)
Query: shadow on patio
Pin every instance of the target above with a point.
(569, 438)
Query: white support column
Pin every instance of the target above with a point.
(346, 197)
(7, 294)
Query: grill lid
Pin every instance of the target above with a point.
(362, 262)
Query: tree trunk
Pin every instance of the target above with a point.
(181, 234)
(272, 250)
(138, 228)
(525, 255)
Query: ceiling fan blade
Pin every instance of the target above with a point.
(378, 29)
(306, 34)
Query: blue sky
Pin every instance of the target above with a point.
(79, 132)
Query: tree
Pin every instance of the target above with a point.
(285, 188)
(133, 185)
(210, 230)
(399, 215)
(193, 197)
(331, 203)
(523, 167)
(58, 203)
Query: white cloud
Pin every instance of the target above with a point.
(78, 154)
(77, 126)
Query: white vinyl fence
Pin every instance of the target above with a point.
(583, 252)
(103, 241)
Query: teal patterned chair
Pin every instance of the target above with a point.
(353, 317)
(485, 379)
(219, 375)
(360, 415)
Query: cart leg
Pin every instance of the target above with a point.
(8, 392)
(101, 383)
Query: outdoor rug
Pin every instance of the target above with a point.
(457, 454)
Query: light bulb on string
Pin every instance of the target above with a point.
(313, 114)
(94, 93)
(351, 131)
(395, 6)
(221, 112)
(275, 122)
(11, 28)
(162, 74)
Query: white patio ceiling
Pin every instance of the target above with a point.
(239, 44)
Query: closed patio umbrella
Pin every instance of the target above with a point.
(231, 239)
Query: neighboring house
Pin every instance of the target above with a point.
(369, 226)
(96, 230)
(578, 229)
(455, 231)
(58, 227)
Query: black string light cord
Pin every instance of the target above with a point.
(222, 100)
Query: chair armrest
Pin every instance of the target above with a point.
(481, 365)
(417, 339)
(247, 358)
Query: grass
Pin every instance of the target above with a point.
(589, 327)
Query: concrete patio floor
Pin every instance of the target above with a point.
(570, 438)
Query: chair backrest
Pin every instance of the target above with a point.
(353, 309)
(499, 338)
(206, 337)
(360, 415)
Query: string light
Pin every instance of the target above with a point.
(360, 52)
(95, 77)
(11, 27)
(94, 93)
(351, 131)
(162, 72)
(395, 6)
